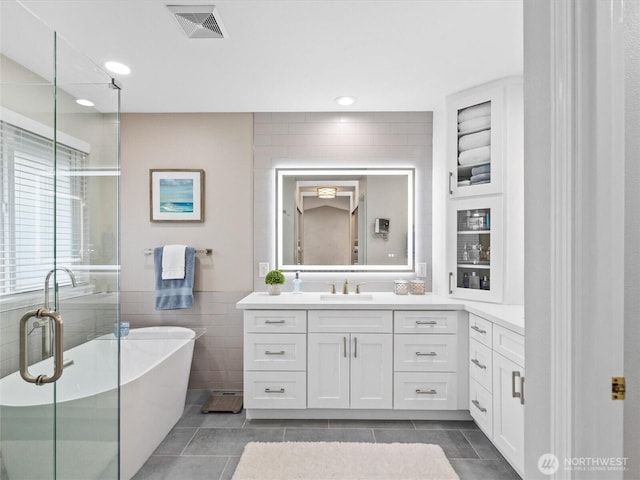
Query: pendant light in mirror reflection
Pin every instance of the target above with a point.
(327, 192)
(338, 219)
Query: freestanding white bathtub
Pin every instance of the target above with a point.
(155, 365)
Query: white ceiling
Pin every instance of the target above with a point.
(296, 55)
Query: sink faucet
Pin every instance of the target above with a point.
(45, 324)
(345, 287)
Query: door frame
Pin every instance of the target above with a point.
(574, 230)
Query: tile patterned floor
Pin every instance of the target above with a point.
(208, 446)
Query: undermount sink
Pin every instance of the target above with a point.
(340, 297)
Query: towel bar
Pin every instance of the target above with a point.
(206, 251)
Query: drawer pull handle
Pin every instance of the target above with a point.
(267, 352)
(426, 322)
(355, 347)
(521, 390)
(426, 392)
(344, 345)
(478, 406)
(477, 363)
(514, 375)
(429, 354)
(274, 321)
(478, 329)
(268, 390)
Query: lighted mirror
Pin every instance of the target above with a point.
(345, 220)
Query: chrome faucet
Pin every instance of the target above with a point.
(45, 324)
(345, 287)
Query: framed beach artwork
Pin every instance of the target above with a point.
(176, 195)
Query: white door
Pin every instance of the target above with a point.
(508, 413)
(328, 370)
(371, 370)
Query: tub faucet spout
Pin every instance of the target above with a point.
(45, 324)
(72, 276)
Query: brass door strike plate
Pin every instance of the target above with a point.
(618, 388)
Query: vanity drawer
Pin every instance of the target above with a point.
(272, 321)
(275, 351)
(509, 344)
(275, 389)
(480, 329)
(425, 391)
(425, 353)
(425, 321)
(481, 407)
(480, 363)
(350, 321)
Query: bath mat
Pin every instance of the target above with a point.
(223, 403)
(342, 461)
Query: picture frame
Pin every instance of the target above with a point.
(176, 195)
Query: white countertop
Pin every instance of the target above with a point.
(508, 316)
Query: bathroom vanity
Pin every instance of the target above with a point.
(385, 356)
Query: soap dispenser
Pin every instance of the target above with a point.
(297, 284)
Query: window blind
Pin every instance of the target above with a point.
(43, 209)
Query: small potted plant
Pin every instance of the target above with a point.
(275, 280)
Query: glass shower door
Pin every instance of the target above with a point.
(59, 163)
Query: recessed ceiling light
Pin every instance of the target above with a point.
(345, 101)
(117, 67)
(84, 102)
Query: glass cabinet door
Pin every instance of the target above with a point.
(475, 262)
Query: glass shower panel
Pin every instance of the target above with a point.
(88, 181)
(59, 164)
(27, 116)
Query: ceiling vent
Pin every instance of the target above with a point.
(198, 21)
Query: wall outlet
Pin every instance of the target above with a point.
(421, 270)
(263, 269)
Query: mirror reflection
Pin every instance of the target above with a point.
(333, 220)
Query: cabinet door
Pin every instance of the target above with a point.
(476, 252)
(328, 370)
(371, 371)
(508, 411)
(476, 132)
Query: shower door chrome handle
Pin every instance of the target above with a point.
(58, 365)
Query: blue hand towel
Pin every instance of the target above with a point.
(178, 293)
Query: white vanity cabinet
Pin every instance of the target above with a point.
(496, 386)
(426, 360)
(275, 359)
(350, 359)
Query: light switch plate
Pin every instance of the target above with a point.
(263, 269)
(421, 270)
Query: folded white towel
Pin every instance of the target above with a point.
(476, 156)
(173, 262)
(464, 183)
(474, 140)
(474, 125)
(476, 111)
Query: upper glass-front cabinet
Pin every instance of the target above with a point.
(481, 123)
